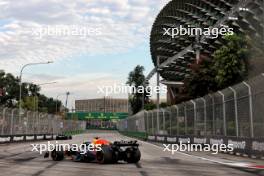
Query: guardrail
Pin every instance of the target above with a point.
(247, 147)
(233, 114)
(34, 125)
(24, 137)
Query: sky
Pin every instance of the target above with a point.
(91, 42)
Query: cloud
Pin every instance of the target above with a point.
(81, 86)
(123, 24)
(41, 78)
(85, 86)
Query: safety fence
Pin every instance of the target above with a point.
(236, 112)
(30, 125)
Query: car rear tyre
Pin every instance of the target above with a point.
(105, 156)
(132, 155)
(57, 155)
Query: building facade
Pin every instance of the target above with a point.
(103, 105)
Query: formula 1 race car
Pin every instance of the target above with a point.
(63, 137)
(110, 153)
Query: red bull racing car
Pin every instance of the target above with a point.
(106, 153)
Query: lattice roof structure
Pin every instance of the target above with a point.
(176, 54)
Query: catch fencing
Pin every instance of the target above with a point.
(236, 112)
(34, 123)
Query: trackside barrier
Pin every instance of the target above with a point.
(34, 126)
(250, 147)
(139, 135)
(233, 115)
(23, 138)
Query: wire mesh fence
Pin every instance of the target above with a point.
(11, 123)
(236, 111)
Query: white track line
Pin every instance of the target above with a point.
(231, 164)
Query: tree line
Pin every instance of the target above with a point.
(32, 99)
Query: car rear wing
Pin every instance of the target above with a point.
(126, 143)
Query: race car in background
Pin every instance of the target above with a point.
(63, 137)
(110, 153)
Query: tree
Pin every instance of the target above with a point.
(228, 66)
(33, 89)
(150, 106)
(164, 105)
(29, 103)
(136, 79)
(202, 80)
(9, 86)
(231, 61)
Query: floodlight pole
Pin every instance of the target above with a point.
(57, 102)
(20, 82)
(158, 85)
(66, 102)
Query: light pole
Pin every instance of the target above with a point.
(73, 99)
(20, 81)
(57, 102)
(47, 83)
(158, 85)
(66, 101)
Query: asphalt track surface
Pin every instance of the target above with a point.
(19, 160)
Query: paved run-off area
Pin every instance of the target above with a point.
(18, 160)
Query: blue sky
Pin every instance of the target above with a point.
(118, 64)
(102, 58)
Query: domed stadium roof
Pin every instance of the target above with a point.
(176, 54)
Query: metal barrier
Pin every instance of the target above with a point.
(235, 112)
(34, 123)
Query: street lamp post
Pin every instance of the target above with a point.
(66, 101)
(20, 82)
(158, 85)
(57, 101)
